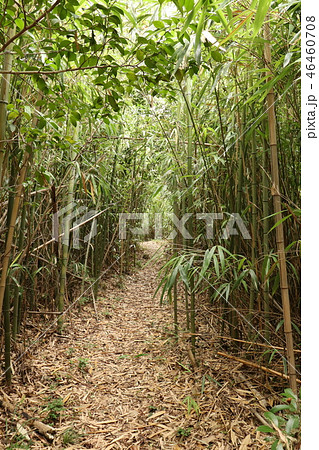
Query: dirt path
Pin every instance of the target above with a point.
(118, 380)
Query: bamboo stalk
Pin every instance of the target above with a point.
(17, 294)
(277, 208)
(265, 244)
(190, 205)
(66, 239)
(6, 299)
(7, 335)
(175, 243)
(257, 366)
(259, 344)
(4, 99)
(253, 291)
(9, 240)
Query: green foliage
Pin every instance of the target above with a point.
(224, 271)
(184, 432)
(284, 422)
(152, 409)
(262, 9)
(191, 404)
(83, 300)
(83, 364)
(107, 314)
(20, 445)
(54, 408)
(70, 437)
(70, 351)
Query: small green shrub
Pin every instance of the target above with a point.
(83, 301)
(183, 432)
(191, 404)
(55, 407)
(82, 364)
(70, 437)
(284, 423)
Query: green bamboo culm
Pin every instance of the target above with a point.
(175, 249)
(265, 242)
(4, 100)
(17, 292)
(190, 206)
(253, 291)
(66, 236)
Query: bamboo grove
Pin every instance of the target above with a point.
(179, 107)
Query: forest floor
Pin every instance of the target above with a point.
(117, 379)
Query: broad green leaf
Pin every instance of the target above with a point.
(189, 5)
(140, 55)
(239, 279)
(19, 23)
(275, 445)
(131, 17)
(13, 114)
(76, 115)
(73, 121)
(158, 24)
(71, 56)
(131, 76)
(62, 13)
(113, 103)
(172, 278)
(292, 423)
(100, 80)
(271, 417)
(150, 63)
(279, 408)
(217, 56)
(288, 393)
(42, 84)
(266, 429)
(179, 75)
(115, 19)
(216, 266)
(280, 323)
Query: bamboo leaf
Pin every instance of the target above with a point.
(283, 219)
(197, 44)
(272, 418)
(189, 5)
(221, 258)
(262, 9)
(265, 429)
(287, 59)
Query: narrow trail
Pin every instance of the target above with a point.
(124, 383)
